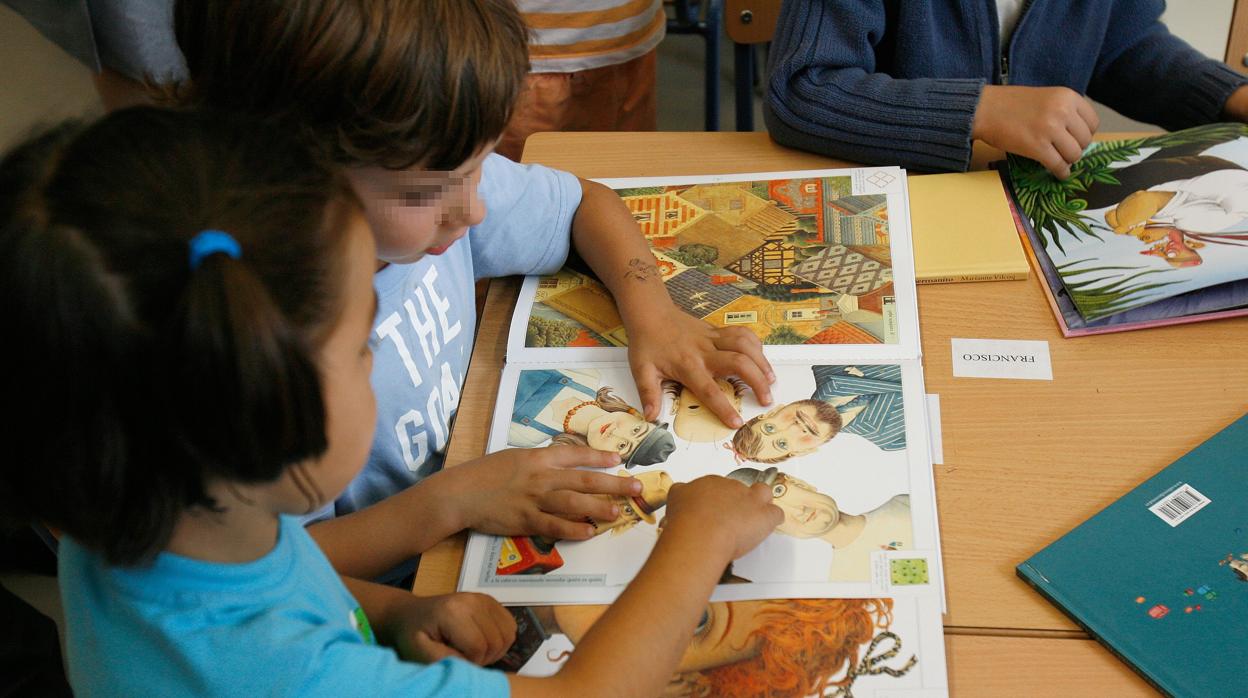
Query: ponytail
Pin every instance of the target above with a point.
(259, 404)
(138, 380)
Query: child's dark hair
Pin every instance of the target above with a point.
(135, 380)
(390, 83)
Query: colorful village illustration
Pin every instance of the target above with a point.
(797, 261)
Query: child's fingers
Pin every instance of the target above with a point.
(708, 392)
(1053, 161)
(497, 628)
(743, 341)
(1068, 147)
(568, 456)
(649, 388)
(577, 506)
(1088, 113)
(506, 626)
(429, 650)
(1080, 132)
(559, 528)
(729, 363)
(591, 483)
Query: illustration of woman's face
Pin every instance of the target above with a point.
(792, 430)
(722, 636)
(808, 513)
(694, 422)
(617, 431)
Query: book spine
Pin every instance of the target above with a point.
(963, 278)
(1041, 583)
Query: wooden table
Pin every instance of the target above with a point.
(1025, 461)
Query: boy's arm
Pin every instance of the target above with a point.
(664, 342)
(517, 491)
(368, 543)
(1147, 73)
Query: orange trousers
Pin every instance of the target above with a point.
(612, 98)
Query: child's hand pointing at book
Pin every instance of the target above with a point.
(682, 348)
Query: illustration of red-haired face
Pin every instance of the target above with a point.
(800, 648)
(783, 647)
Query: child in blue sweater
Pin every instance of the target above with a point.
(913, 83)
(194, 295)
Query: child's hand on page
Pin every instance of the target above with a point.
(472, 626)
(729, 517)
(1051, 125)
(690, 351)
(539, 491)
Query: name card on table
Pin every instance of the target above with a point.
(1001, 358)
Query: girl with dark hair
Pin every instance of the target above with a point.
(194, 296)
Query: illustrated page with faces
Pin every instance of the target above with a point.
(872, 647)
(843, 447)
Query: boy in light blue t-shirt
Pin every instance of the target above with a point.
(219, 373)
(411, 104)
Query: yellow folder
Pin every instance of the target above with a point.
(963, 229)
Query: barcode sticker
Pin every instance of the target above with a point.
(1179, 505)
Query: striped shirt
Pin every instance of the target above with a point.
(877, 391)
(573, 35)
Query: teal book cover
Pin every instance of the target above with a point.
(1161, 576)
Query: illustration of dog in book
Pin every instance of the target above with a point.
(862, 400)
(775, 647)
(809, 513)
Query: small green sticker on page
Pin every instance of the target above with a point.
(908, 571)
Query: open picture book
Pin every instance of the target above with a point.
(1145, 232)
(791, 647)
(816, 264)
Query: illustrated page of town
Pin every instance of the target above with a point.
(813, 262)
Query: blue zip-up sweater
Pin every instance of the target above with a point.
(897, 81)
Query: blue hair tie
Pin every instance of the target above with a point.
(209, 242)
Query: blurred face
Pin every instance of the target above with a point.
(722, 636)
(792, 430)
(416, 212)
(808, 513)
(345, 363)
(617, 431)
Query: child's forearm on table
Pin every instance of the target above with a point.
(606, 236)
(367, 543)
(657, 614)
